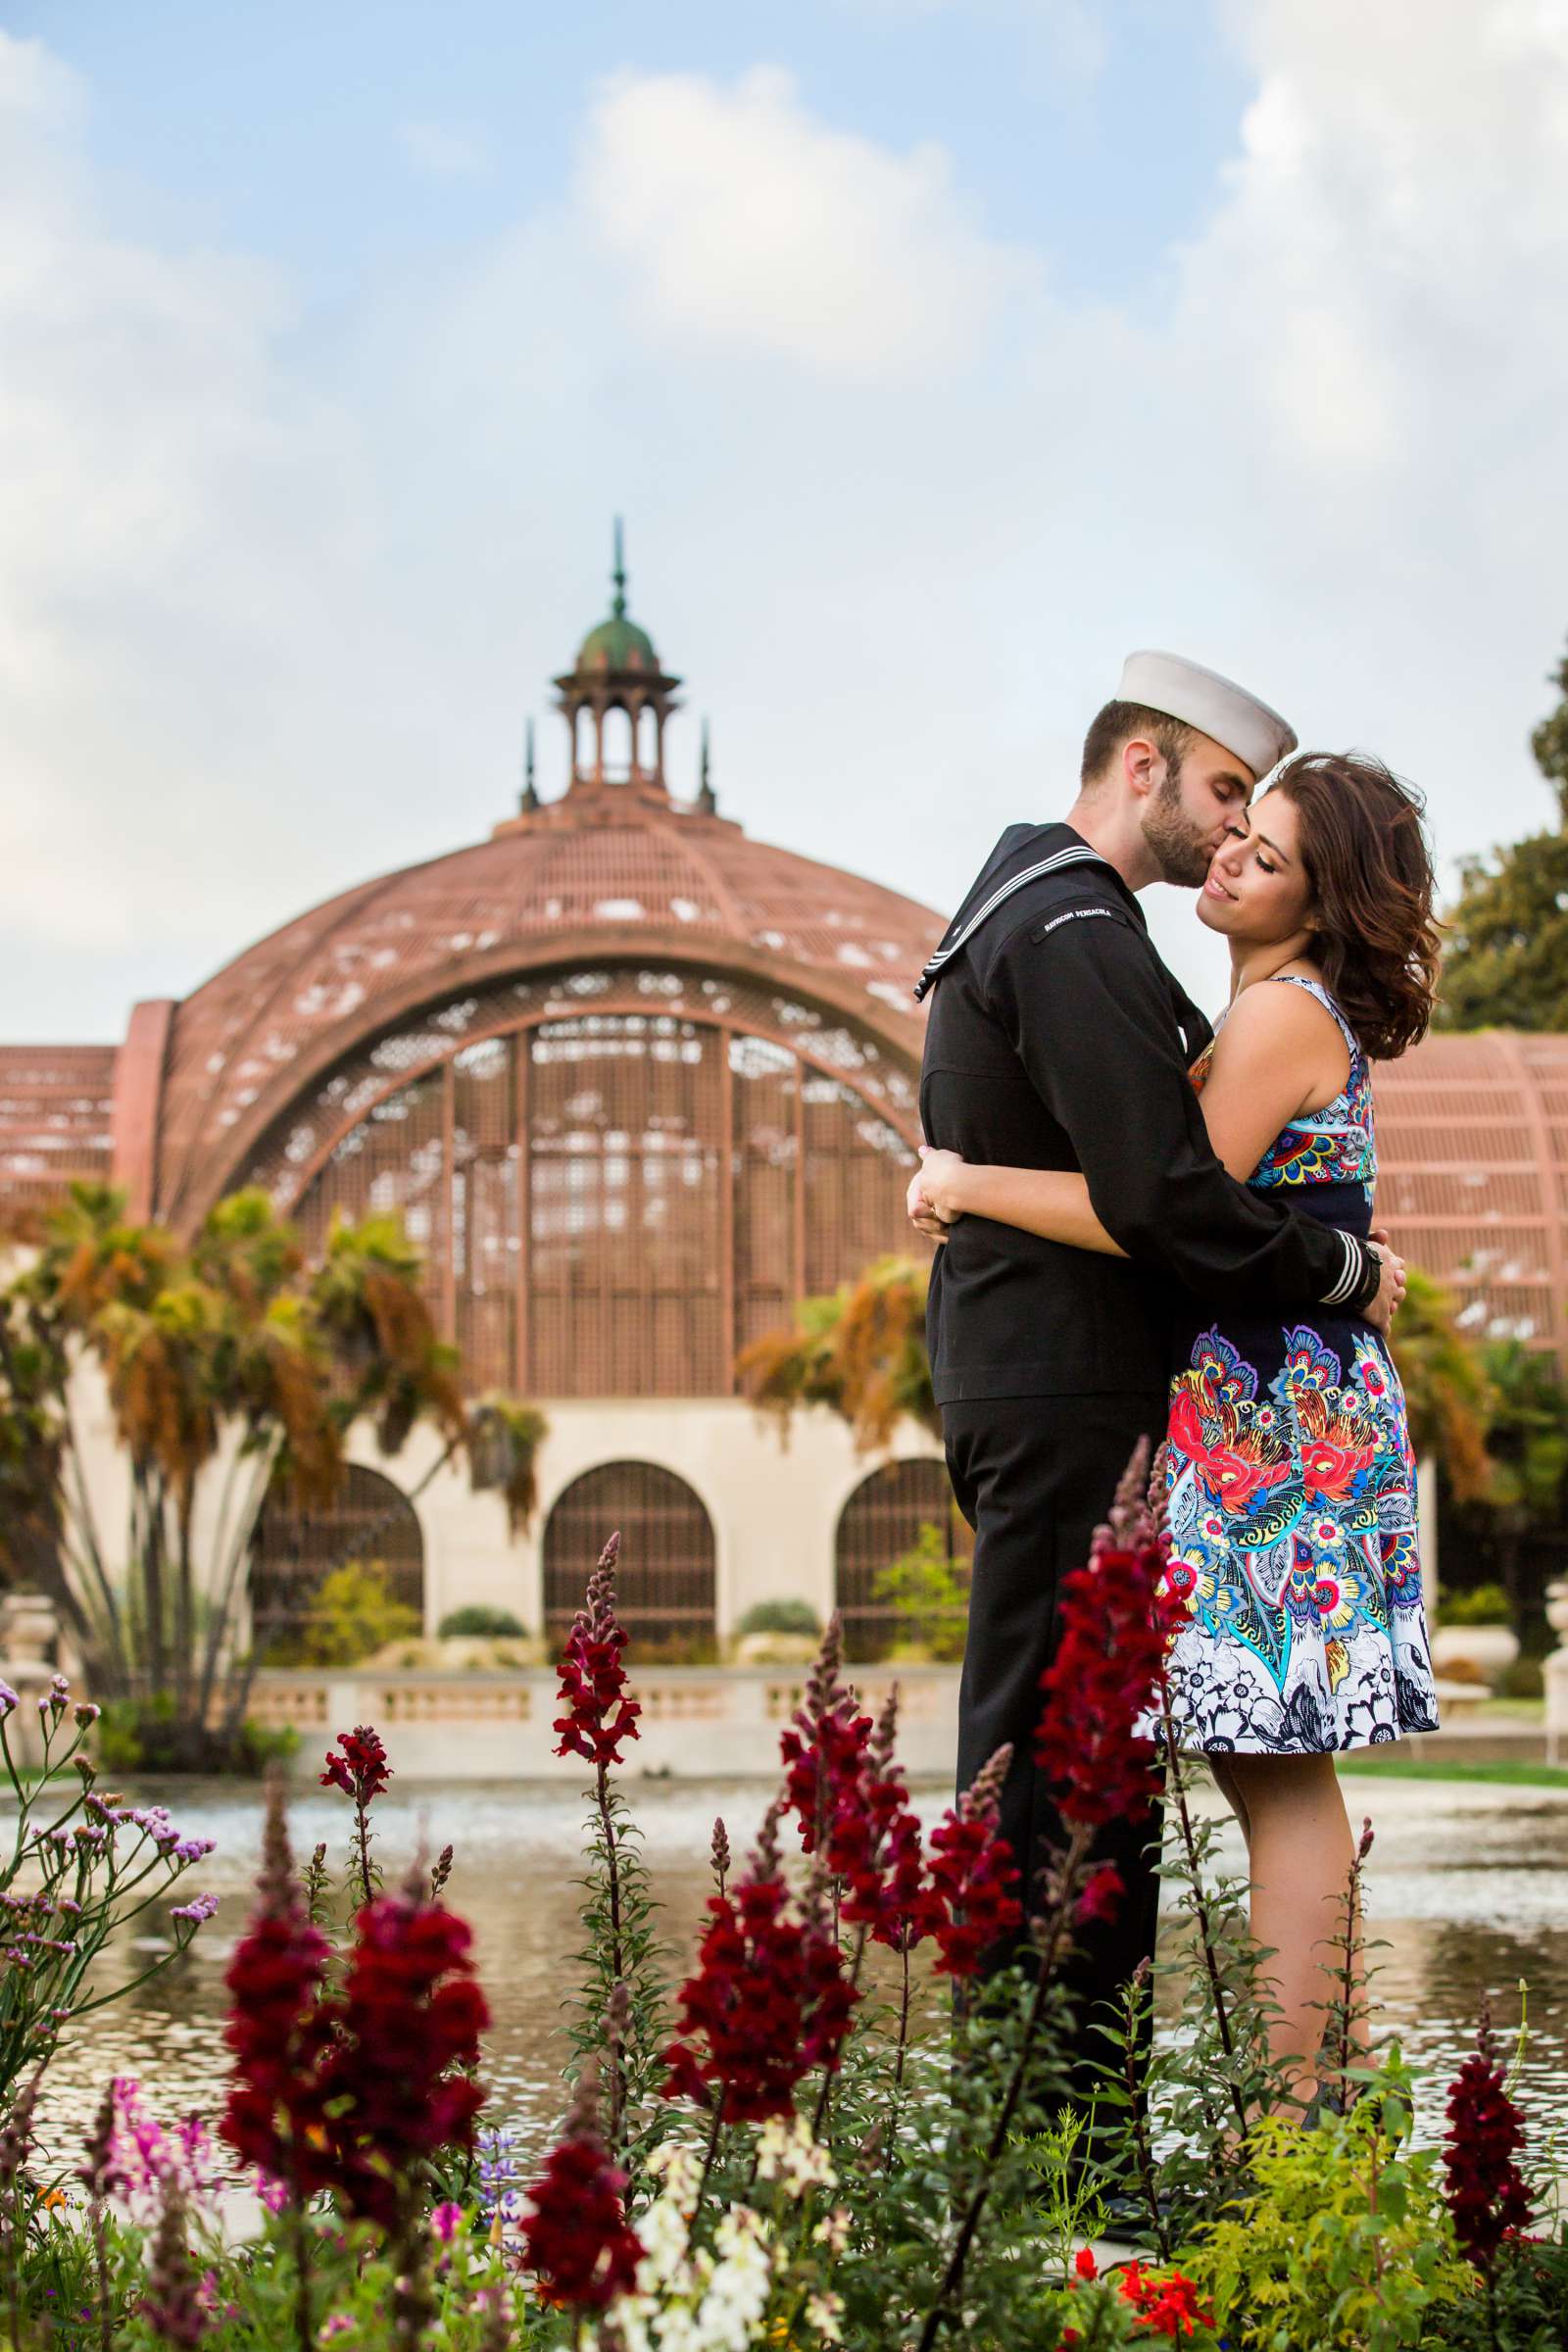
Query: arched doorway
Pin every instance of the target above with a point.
(904, 1511)
(370, 1522)
(666, 1583)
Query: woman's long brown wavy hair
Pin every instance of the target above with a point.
(1374, 936)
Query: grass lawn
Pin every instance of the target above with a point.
(1374, 1763)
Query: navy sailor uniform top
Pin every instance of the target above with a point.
(1057, 1038)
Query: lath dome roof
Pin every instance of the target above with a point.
(614, 873)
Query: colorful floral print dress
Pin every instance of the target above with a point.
(1293, 1504)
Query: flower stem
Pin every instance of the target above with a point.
(301, 2274)
(709, 2153)
(617, 2066)
(1050, 1945)
(1176, 1781)
(1137, 2119)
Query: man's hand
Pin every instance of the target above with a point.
(1390, 1289)
(923, 1214)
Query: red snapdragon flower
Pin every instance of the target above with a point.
(770, 2000)
(895, 1897)
(408, 2026)
(1487, 2194)
(576, 2238)
(357, 1766)
(973, 1875)
(824, 1748)
(1167, 2306)
(597, 1714)
(1116, 1621)
(279, 2028)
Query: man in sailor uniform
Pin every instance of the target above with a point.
(1057, 1038)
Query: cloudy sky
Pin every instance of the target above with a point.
(935, 353)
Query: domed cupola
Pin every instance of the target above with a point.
(615, 700)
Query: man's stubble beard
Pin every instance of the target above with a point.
(1180, 851)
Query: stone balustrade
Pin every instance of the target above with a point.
(698, 1722)
(1556, 1674)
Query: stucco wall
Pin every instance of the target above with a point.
(774, 1507)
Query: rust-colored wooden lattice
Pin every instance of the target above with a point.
(665, 1582)
(618, 1177)
(370, 1521)
(881, 1523)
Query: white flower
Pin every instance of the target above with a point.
(786, 2151)
(823, 2313)
(833, 2229)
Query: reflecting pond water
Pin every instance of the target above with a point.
(1468, 1884)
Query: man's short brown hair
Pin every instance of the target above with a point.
(1119, 722)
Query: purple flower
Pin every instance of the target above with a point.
(199, 1909)
(191, 1849)
(8, 1702)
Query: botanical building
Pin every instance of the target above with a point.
(636, 1083)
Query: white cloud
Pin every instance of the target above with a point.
(268, 620)
(741, 218)
(447, 150)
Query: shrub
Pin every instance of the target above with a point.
(1483, 1604)
(928, 1594)
(1523, 1678)
(145, 1735)
(477, 1623)
(1342, 2243)
(785, 1616)
(352, 1615)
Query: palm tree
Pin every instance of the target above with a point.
(1448, 1393)
(232, 1358)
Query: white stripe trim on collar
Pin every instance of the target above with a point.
(1073, 856)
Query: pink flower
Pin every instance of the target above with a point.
(444, 2222)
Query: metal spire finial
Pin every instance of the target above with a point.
(530, 795)
(706, 800)
(618, 608)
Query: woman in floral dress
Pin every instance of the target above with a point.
(1292, 1482)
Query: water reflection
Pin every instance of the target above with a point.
(1469, 1889)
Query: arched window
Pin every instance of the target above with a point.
(903, 1511)
(621, 743)
(665, 1582)
(370, 1522)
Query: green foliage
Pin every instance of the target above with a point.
(788, 1615)
(928, 1594)
(144, 1735)
(477, 1623)
(231, 1368)
(81, 1869)
(861, 1352)
(1506, 966)
(1342, 2241)
(351, 1616)
(1482, 1604)
(1447, 1393)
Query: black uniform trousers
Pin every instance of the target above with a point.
(1035, 1476)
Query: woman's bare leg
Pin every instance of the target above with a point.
(1224, 1779)
(1300, 1850)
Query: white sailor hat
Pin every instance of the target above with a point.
(1214, 706)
